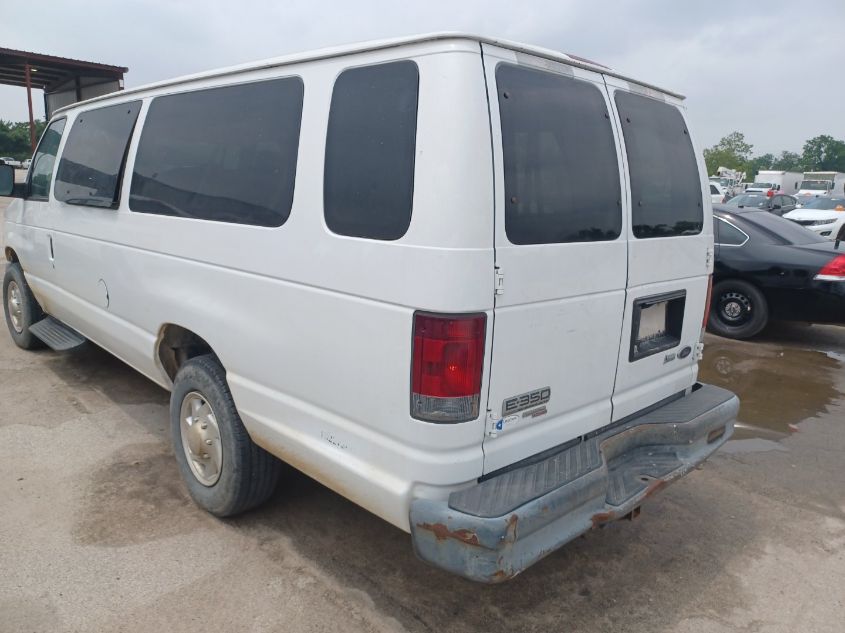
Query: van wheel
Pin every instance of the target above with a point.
(738, 310)
(225, 471)
(21, 308)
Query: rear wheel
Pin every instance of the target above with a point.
(738, 310)
(20, 307)
(225, 471)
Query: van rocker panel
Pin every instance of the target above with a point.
(495, 529)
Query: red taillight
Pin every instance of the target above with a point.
(707, 302)
(447, 364)
(834, 270)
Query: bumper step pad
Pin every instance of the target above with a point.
(56, 334)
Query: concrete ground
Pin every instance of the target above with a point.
(97, 532)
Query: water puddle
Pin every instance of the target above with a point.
(778, 387)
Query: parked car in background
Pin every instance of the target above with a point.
(825, 216)
(777, 204)
(25, 164)
(768, 268)
(717, 193)
(8, 160)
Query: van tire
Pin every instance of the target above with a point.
(247, 474)
(27, 309)
(738, 310)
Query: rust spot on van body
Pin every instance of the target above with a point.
(501, 576)
(441, 533)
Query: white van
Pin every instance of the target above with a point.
(458, 280)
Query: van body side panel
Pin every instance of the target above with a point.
(662, 266)
(314, 329)
(559, 317)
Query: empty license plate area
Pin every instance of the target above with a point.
(657, 323)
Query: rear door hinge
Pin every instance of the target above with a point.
(708, 258)
(699, 352)
(499, 281)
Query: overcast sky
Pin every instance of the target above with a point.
(772, 70)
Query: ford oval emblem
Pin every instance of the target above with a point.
(685, 352)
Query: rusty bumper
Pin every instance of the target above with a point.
(497, 528)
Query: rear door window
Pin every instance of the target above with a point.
(665, 184)
(561, 170)
(368, 186)
(94, 155)
(225, 154)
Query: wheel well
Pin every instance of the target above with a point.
(11, 256)
(177, 345)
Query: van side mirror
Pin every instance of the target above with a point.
(7, 180)
(8, 186)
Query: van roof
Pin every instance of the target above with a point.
(360, 47)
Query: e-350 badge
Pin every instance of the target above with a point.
(526, 401)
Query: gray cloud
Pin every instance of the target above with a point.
(771, 70)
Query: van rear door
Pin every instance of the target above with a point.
(561, 255)
(670, 248)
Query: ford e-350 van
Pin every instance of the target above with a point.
(459, 281)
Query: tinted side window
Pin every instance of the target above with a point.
(561, 172)
(41, 170)
(368, 186)
(713, 190)
(95, 151)
(225, 154)
(729, 234)
(665, 185)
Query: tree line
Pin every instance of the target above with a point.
(821, 153)
(14, 138)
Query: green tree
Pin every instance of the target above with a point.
(732, 151)
(824, 153)
(756, 164)
(14, 138)
(789, 161)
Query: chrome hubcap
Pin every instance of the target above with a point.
(201, 438)
(15, 303)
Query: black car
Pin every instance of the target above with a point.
(770, 268)
(778, 204)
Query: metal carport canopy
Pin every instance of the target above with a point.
(63, 80)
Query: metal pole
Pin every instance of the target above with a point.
(29, 101)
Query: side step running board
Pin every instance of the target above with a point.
(56, 334)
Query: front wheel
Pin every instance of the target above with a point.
(225, 472)
(738, 310)
(20, 307)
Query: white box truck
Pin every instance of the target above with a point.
(820, 183)
(771, 181)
